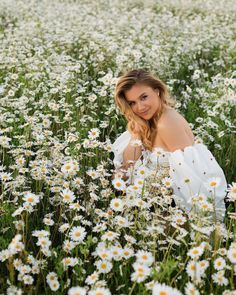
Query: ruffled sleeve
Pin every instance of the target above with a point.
(119, 146)
(191, 171)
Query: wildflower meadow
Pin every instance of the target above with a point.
(67, 224)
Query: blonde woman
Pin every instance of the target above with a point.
(158, 135)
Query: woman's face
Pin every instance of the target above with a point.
(143, 100)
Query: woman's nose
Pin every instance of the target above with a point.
(140, 106)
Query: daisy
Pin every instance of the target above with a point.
(128, 252)
(31, 199)
(77, 233)
(203, 265)
(139, 182)
(116, 204)
(206, 207)
(138, 277)
(48, 221)
(116, 252)
(54, 285)
(68, 245)
(93, 133)
(67, 196)
(179, 219)
(190, 289)
(232, 189)
(28, 280)
(193, 270)
(69, 261)
(220, 279)
(100, 291)
(103, 266)
(136, 143)
(122, 221)
(70, 168)
(77, 291)
(110, 236)
(91, 279)
(141, 171)
(162, 289)
(118, 184)
(231, 254)
(222, 251)
(144, 257)
(141, 268)
(64, 227)
(167, 181)
(213, 182)
(103, 253)
(44, 242)
(130, 239)
(51, 276)
(219, 263)
(93, 173)
(195, 252)
(40, 233)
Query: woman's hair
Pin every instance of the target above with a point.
(147, 129)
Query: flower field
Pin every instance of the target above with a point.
(68, 226)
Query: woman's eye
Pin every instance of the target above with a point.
(144, 97)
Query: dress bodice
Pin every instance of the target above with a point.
(191, 170)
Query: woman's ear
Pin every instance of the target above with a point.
(157, 91)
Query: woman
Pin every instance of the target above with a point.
(160, 134)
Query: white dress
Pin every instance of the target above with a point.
(191, 171)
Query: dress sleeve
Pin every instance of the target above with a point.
(119, 146)
(191, 171)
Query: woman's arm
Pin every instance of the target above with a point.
(132, 152)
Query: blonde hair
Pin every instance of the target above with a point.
(147, 129)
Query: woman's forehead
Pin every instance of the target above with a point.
(136, 91)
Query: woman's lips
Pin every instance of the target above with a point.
(144, 113)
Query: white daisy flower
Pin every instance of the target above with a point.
(110, 236)
(67, 196)
(77, 233)
(93, 133)
(219, 263)
(54, 285)
(168, 182)
(31, 199)
(116, 204)
(136, 143)
(162, 289)
(195, 252)
(220, 279)
(213, 182)
(128, 252)
(103, 266)
(51, 276)
(118, 184)
(231, 254)
(190, 289)
(116, 253)
(77, 291)
(91, 279)
(28, 280)
(100, 291)
(144, 257)
(69, 261)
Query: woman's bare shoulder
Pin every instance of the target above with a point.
(171, 116)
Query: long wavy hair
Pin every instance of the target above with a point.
(147, 129)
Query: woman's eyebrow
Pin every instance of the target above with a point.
(138, 97)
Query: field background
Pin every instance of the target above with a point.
(59, 62)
